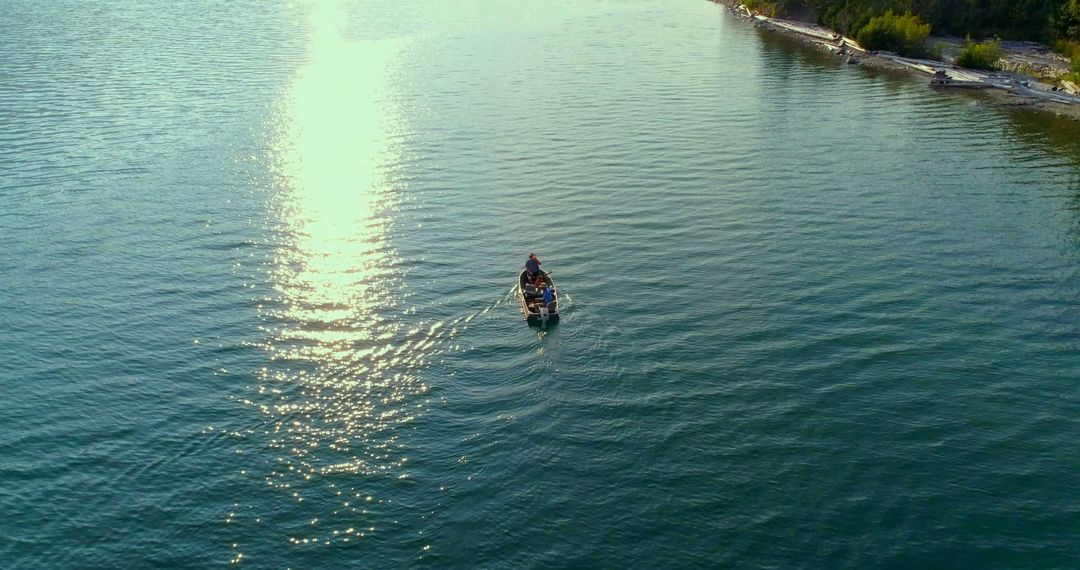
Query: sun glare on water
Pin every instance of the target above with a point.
(332, 146)
(342, 375)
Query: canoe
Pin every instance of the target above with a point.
(532, 308)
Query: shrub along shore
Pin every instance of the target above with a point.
(1015, 73)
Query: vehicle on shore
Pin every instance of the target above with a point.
(533, 308)
(943, 79)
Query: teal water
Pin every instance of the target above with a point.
(257, 306)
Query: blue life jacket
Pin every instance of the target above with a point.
(549, 296)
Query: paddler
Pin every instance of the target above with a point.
(532, 266)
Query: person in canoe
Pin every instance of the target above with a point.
(532, 265)
(542, 299)
(548, 296)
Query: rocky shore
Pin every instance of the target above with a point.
(1017, 86)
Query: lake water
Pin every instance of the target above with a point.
(256, 295)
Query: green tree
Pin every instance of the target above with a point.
(905, 34)
(984, 55)
(1041, 20)
(1067, 20)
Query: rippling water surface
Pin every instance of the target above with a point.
(257, 304)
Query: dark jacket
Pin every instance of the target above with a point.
(532, 265)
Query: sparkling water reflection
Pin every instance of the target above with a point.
(343, 374)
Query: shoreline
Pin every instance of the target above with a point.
(1007, 89)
